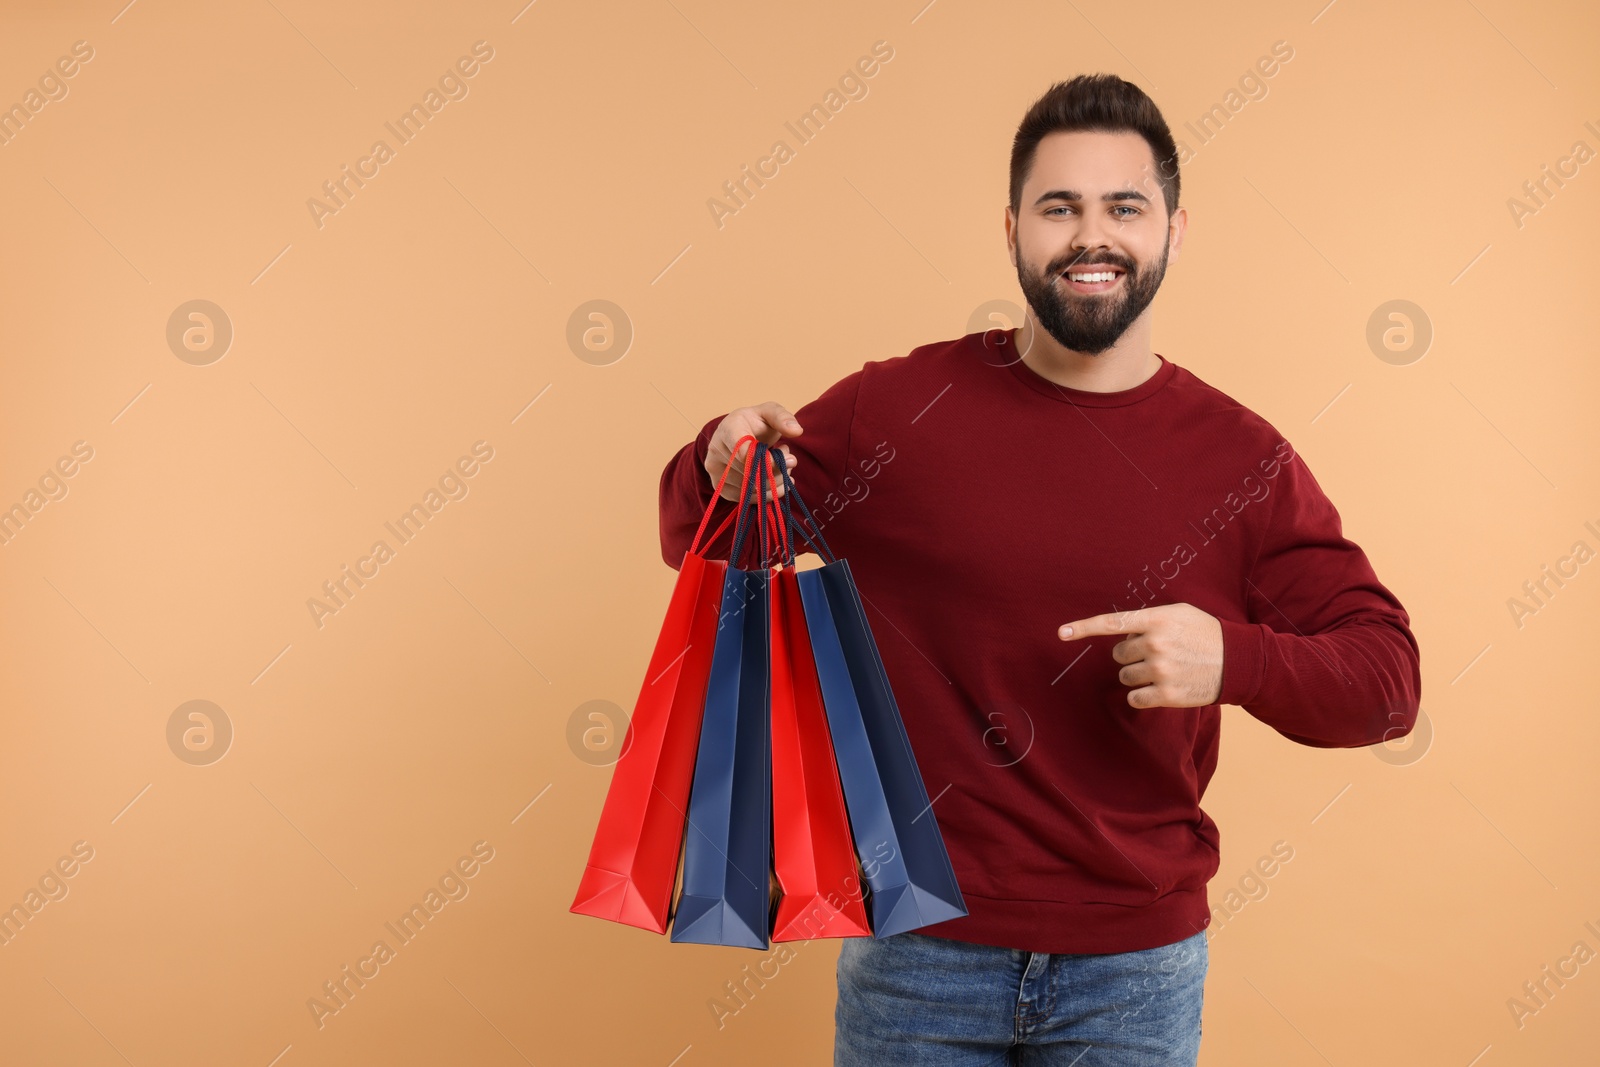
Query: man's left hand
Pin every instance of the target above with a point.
(1172, 653)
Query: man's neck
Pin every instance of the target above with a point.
(1124, 365)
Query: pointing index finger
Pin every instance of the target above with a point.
(1117, 622)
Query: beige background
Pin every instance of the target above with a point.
(437, 708)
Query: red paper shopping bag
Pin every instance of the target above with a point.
(812, 850)
(633, 862)
(813, 855)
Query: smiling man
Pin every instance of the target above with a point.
(1073, 552)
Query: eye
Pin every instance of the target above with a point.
(1132, 211)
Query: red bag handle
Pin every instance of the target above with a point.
(767, 516)
(694, 546)
(778, 538)
(774, 523)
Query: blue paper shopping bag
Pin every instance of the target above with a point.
(727, 890)
(897, 839)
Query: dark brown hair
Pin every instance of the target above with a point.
(1095, 102)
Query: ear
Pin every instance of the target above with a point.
(1176, 228)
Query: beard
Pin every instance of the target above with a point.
(1089, 322)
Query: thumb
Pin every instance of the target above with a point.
(783, 421)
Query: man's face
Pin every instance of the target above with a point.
(1091, 205)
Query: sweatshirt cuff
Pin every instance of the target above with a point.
(1243, 661)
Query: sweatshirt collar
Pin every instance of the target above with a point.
(1084, 397)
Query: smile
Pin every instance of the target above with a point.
(1094, 281)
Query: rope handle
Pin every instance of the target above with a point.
(758, 467)
(770, 520)
(780, 535)
(818, 544)
(694, 546)
(771, 512)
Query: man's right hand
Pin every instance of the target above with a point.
(767, 423)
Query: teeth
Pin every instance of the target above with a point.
(1102, 276)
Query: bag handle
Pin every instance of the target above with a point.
(780, 522)
(764, 515)
(773, 531)
(780, 536)
(790, 492)
(694, 546)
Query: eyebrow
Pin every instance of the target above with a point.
(1074, 195)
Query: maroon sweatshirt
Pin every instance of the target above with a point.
(981, 506)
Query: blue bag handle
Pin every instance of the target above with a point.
(789, 491)
(754, 470)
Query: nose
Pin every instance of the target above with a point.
(1091, 235)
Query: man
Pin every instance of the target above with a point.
(1072, 551)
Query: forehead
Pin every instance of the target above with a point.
(1092, 162)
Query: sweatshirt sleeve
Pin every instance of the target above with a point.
(823, 449)
(1327, 657)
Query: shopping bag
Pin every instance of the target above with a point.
(896, 835)
(633, 861)
(726, 896)
(812, 852)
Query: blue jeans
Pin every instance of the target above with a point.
(914, 999)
